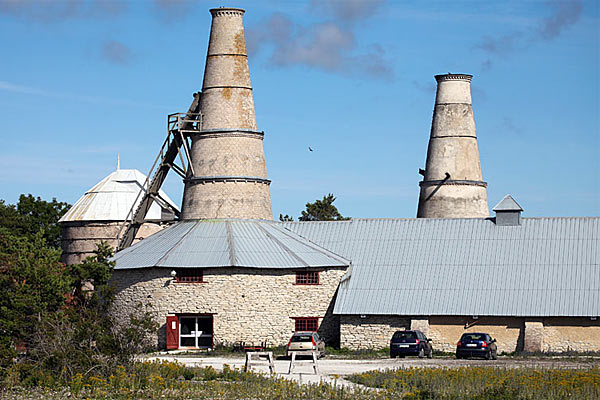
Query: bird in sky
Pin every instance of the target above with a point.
(309, 148)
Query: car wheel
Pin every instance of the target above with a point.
(422, 353)
(459, 357)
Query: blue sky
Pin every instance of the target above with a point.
(83, 81)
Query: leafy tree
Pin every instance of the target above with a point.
(322, 210)
(285, 218)
(33, 283)
(84, 336)
(32, 215)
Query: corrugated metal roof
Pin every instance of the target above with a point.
(112, 198)
(544, 267)
(227, 243)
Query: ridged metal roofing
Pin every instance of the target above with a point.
(112, 198)
(544, 267)
(227, 243)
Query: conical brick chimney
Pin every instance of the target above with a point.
(227, 154)
(452, 185)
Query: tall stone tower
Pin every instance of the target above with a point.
(230, 175)
(452, 185)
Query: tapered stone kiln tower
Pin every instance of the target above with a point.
(452, 185)
(230, 175)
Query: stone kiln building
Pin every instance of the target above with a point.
(226, 272)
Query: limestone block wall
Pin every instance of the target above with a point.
(446, 331)
(570, 334)
(452, 199)
(231, 199)
(233, 155)
(511, 333)
(79, 239)
(371, 332)
(247, 304)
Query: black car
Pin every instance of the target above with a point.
(476, 345)
(410, 343)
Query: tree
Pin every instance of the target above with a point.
(33, 283)
(322, 210)
(32, 215)
(83, 336)
(285, 218)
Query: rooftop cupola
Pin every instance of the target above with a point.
(227, 155)
(508, 212)
(452, 185)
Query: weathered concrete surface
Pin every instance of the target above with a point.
(228, 148)
(247, 304)
(453, 186)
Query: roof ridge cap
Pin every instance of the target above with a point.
(177, 244)
(317, 247)
(287, 249)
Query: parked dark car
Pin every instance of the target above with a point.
(476, 345)
(410, 343)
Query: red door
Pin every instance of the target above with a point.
(172, 332)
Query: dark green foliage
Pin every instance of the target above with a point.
(32, 215)
(59, 314)
(84, 337)
(285, 218)
(322, 210)
(33, 283)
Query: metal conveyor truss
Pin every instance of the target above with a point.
(179, 126)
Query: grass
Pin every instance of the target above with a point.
(171, 380)
(485, 383)
(159, 380)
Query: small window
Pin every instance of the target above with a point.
(189, 275)
(307, 278)
(307, 324)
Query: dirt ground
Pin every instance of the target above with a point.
(333, 370)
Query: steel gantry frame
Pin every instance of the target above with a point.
(179, 126)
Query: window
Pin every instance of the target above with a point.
(307, 278)
(189, 275)
(307, 324)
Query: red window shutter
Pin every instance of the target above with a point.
(172, 332)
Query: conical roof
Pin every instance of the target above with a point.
(112, 198)
(227, 243)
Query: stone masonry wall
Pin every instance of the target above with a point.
(249, 305)
(511, 334)
(446, 331)
(371, 332)
(80, 239)
(570, 334)
(246, 200)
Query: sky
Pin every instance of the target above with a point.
(83, 81)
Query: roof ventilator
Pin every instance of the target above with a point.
(508, 212)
